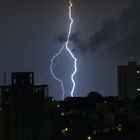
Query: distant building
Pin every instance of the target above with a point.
(24, 108)
(129, 80)
(2, 129)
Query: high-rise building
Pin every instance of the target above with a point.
(129, 80)
(24, 108)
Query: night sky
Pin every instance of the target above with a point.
(105, 33)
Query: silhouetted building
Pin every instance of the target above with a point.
(83, 117)
(2, 134)
(129, 80)
(25, 114)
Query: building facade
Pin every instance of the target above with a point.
(24, 108)
(129, 80)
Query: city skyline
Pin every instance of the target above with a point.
(104, 35)
(27, 112)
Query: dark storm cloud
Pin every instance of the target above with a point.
(113, 33)
(27, 28)
(120, 34)
(105, 35)
(61, 38)
(78, 43)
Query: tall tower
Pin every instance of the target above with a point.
(24, 107)
(129, 80)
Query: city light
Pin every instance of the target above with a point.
(65, 130)
(62, 114)
(119, 127)
(105, 102)
(138, 71)
(138, 89)
(89, 137)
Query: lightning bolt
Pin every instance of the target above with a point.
(53, 74)
(70, 52)
(65, 46)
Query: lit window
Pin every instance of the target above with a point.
(58, 106)
(119, 127)
(65, 130)
(62, 114)
(105, 102)
(89, 137)
(138, 71)
(138, 89)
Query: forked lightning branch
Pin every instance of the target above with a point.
(66, 46)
